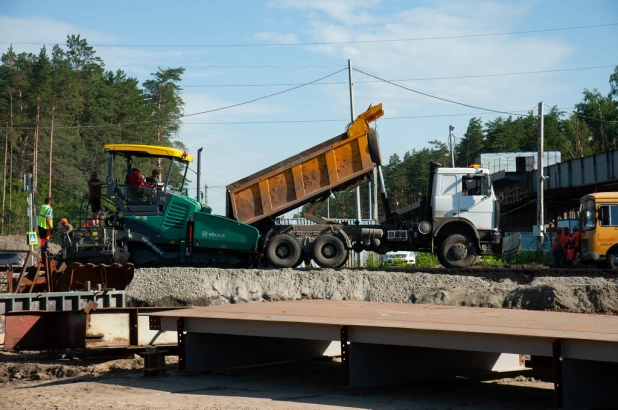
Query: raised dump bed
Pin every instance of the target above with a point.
(338, 163)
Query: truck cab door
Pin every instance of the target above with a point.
(476, 201)
(446, 187)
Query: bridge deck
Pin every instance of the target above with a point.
(510, 322)
(390, 343)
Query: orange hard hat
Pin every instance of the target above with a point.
(64, 220)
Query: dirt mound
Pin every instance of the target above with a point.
(560, 291)
(23, 368)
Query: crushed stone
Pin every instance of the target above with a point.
(181, 286)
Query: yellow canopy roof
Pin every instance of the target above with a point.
(138, 150)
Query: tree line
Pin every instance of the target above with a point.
(592, 127)
(58, 109)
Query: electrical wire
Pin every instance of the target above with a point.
(263, 97)
(317, 43)
(435, 96)
(471, 114)
(405, 80)
(519, 207)
(192, 114)
(207, 67)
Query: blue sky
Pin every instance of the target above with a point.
(232, 151)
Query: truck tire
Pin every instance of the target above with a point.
(329, 251)
(283, 251)
(610, 259)
(373, 143)
(457, 251)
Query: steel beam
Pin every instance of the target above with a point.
(557, 372)
(345, 357)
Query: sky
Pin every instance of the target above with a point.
(233, 52)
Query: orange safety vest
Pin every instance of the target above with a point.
(574, 242)
(557, 245)
(564, 240)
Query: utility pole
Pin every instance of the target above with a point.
(199, 175)
(540, 206)
(29, 188)
(206, 194)
(357, 190)
(450, 144)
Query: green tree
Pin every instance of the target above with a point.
(163, 96)
(471, 145)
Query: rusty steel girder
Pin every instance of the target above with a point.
(78, 276)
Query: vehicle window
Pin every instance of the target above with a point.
(448, 185)
(608, 215)
(474, 185)
(587, 214)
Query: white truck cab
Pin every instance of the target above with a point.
(467, 194)
(463, 215)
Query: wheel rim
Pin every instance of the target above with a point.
(458, 252)
(283, 251)
(329, 251)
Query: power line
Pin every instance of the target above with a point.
(316, 43)
(207, 67)
(435, 96)
(341, 120)
(192, 114)
(263, 97)
(407, 79)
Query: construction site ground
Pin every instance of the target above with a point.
(35, 381)
(30, 380)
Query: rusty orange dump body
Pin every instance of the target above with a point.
(339, 163)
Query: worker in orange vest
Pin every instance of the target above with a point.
(564, 241)
(573, 247)
(557, 248)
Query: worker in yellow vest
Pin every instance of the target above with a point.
(45, 223)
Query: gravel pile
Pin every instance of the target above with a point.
(503, 289)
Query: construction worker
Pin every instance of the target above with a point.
(65, 229)
(557, 248)
(564, 241)
(573, 247)
(94, 193)
(45, 223)
(65, 226)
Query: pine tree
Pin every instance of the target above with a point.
(471, 145)
(163, 97)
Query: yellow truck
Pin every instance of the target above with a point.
(598, 221)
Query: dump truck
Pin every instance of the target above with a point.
(457, 218)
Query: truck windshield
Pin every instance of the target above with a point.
(588, 215)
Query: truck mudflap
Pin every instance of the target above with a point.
(509, 246)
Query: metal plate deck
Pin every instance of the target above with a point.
(505, 322)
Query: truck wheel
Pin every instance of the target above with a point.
(283, 251)
(457, 251)
(610, 259)
(373, 142)
(329, 251)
